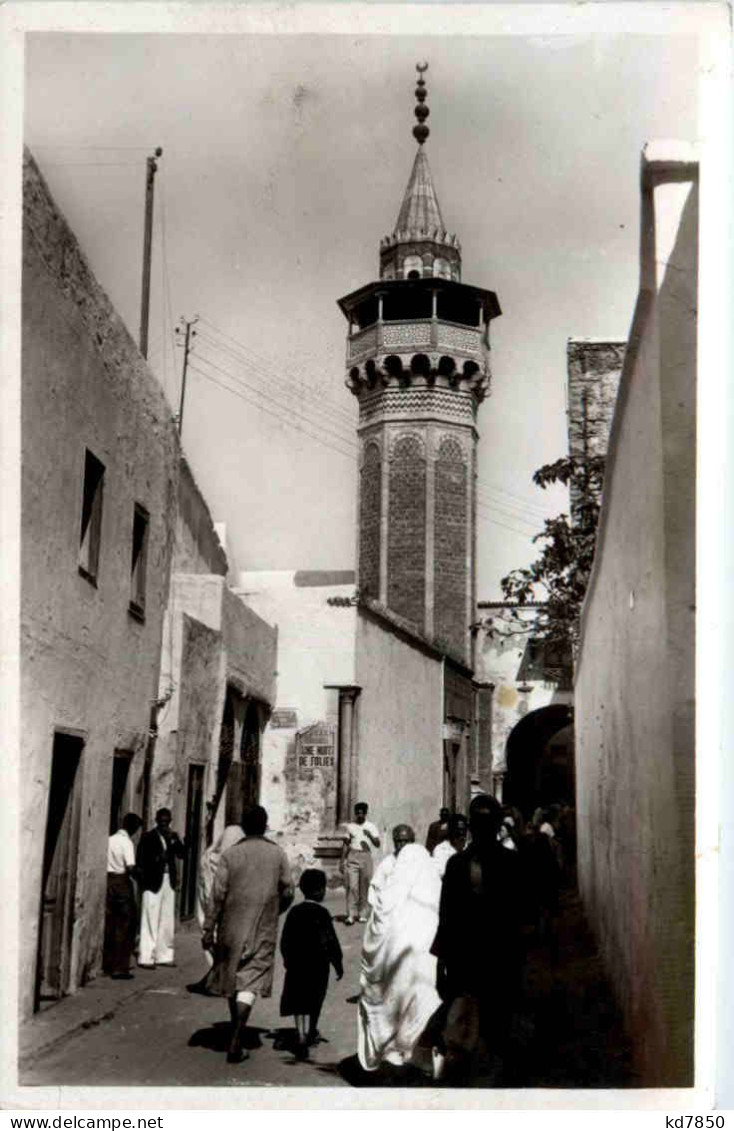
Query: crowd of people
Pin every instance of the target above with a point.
(442, 949)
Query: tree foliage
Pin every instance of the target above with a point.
(559, 576)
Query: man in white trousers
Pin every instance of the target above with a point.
(158, 852)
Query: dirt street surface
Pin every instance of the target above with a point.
(156, 1033)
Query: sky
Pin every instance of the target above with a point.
(285, 159)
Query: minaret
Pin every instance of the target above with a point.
(418, 363)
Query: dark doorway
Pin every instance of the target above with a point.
(59, 870)
(450, 774)
(540, 760)
(243, 782)
(226, 750)
(194, 808)
(120, 799)
(250, 755)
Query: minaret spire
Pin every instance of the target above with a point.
(420, 244)
(421, 131)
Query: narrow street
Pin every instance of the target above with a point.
(567, 1033)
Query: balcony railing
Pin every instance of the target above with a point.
(416, 333)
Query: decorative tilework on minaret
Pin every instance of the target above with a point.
(418, 363)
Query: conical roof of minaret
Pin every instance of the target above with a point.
(420, 211)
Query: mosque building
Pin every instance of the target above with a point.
(376, 695)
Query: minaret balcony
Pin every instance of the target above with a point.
(411, 334)
(424, 315)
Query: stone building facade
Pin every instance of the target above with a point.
(99, 481)
(594, 370)
(635, 677)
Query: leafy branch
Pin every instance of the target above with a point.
(559, 576)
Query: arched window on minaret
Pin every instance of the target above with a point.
(442, 268)
(412, 267)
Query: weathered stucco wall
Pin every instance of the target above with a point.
(400, 724)
(251, 644)
(197, 546)
(87, 665)
(212, 640)
(635, 672)
(315, 649)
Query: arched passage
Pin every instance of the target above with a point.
(540, 759)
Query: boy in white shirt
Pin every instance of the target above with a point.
(360, 837)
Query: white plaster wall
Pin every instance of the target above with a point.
(635, 674)
(400, 730)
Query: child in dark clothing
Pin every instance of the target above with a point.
(309, 946)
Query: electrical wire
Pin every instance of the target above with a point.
(90, 165)
(266, 365)
(340, 436)
(100, 148)
(351, 455)
(508, 500)
(531, 524)
(345, 427)
(278, 416)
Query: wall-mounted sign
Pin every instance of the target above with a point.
(284, 717)
(315, 746)
(453, 732)
(316, 757)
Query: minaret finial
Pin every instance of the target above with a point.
(421, 131)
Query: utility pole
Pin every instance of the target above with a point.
(186, 329)
(151, 169)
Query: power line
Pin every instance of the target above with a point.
(269, 369)
(513, 511)
(491, 517)
(520, 500)
(340, 436)
(490, 505)
(278, 416)
(255, 372)
(351, 455)
(90, 164)
(100, 148)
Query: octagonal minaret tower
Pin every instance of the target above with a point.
(418, 363)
